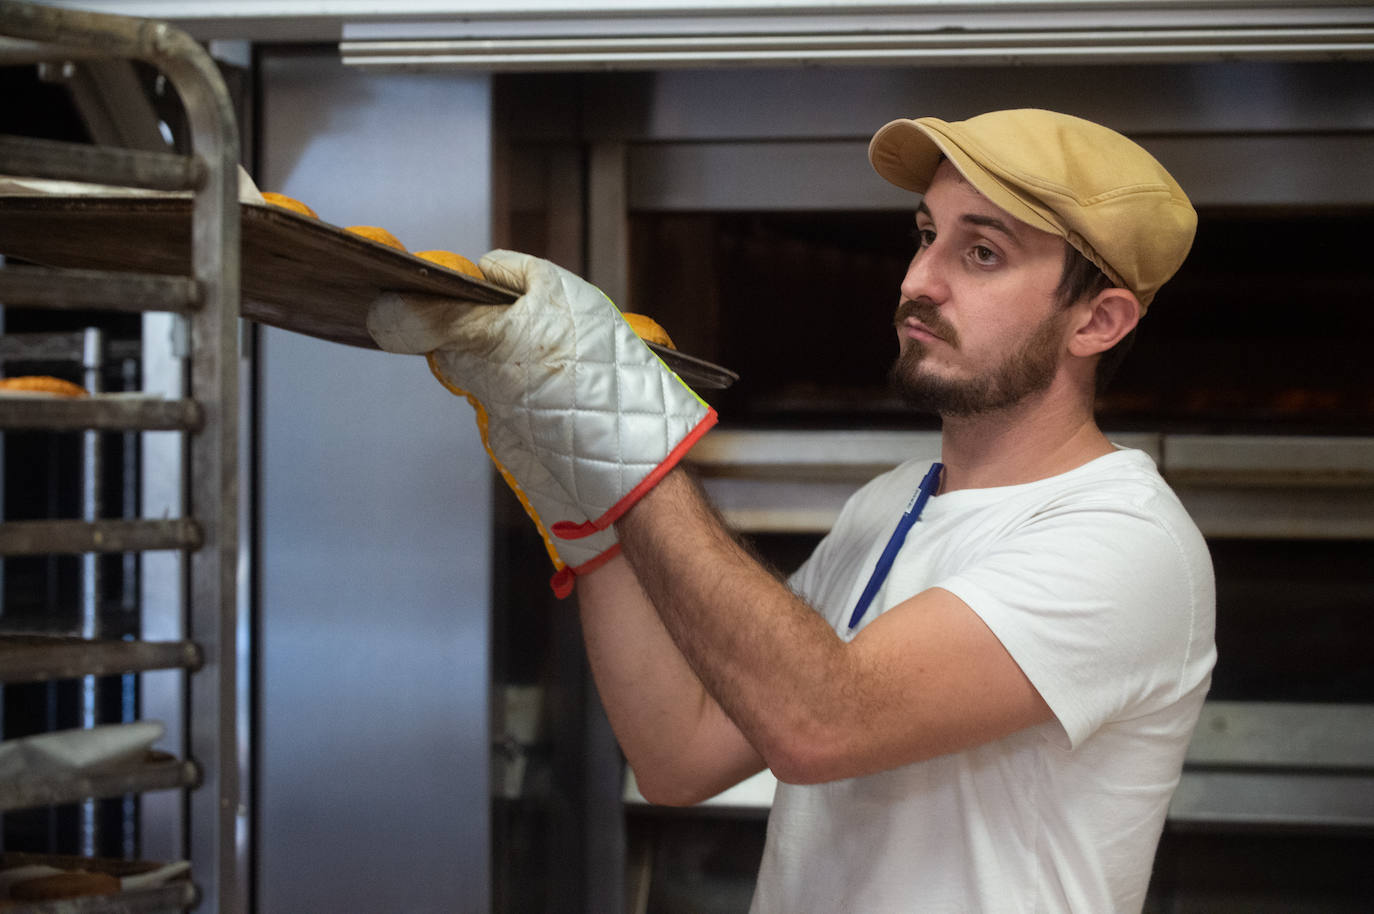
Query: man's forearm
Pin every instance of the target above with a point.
(761, 652)
(679, 742)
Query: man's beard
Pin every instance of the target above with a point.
(1026, 371)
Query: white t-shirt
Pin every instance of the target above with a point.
(1100, 586)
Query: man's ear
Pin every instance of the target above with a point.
(1105, 319)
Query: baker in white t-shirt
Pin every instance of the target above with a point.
(1100, 587)
(977, 693)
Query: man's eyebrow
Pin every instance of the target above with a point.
(992, 222)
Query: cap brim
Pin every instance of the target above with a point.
(904, 155)
(907, 152)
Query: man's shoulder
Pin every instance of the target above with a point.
(1124, 477)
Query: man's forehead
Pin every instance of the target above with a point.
(947, 178)
(955, 198)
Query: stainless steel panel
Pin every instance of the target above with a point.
(1156, 101)
(304, 19)
(1296, 170)
(375, 526)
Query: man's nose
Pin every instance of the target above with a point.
(925, 276)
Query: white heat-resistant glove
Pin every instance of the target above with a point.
(540, 496)
(580, 416)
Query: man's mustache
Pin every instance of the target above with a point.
(929, 314)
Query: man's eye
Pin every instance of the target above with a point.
(984, 254)
(922, 238)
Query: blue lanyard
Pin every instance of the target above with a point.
(929, 484)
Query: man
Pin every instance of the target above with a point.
(986, 710)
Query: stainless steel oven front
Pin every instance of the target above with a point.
(738, 209)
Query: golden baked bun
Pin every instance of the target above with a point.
(378, 234)
(290, 203)
(455, 262)
(648, 329)
(43, 384)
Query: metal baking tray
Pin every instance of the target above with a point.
(297, 273)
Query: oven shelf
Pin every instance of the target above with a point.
(40, 537)
(103, 412)
(1251, 487)
(179, 896)
(1250, 764)
(158, 772)
(146, 887)
(43, 658)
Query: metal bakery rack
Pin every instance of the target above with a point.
(206, 417)
(102, 227)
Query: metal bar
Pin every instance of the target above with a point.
(1162, 53)
(112, 412)
(40, 347)
(963, 47)
(162, 575)
(1270, 460)
(43, 537)
(92, 508)
(54, 159)
(118, 291)
(1294, 513)
(852, 455)
(1284, 735)
(310, 20)
(1224, 799)
(1203, 799)
(162, 774)
(176, 896)
(112, 103)
(602, 826)
(218, 817)
(601, 47)
(608, 234)
(848, 454)
(38, 658)
(651, 9)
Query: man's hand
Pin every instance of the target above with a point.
(580, 413)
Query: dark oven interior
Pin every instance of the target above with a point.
(1264, 330)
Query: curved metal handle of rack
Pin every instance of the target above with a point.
(213, 460)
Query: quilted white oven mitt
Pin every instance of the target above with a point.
(580, 416)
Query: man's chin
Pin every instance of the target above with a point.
(923, 392)
(916, 388)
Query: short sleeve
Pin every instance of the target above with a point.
(1098, 605)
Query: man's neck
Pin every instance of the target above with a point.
(1043, 436)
